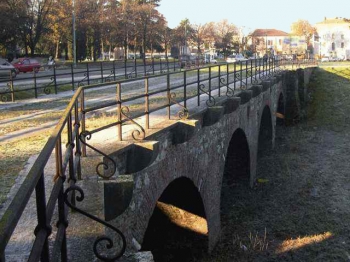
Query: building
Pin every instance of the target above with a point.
(333, 38)
(276, 42)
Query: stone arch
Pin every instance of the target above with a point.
(265, 131)
(237, 161)
(280, 112)
(177, 229)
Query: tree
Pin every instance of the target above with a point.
(303, 28)
(12, 20)
(225, 33)
(200, 35)
(183, 33)
(36, 22)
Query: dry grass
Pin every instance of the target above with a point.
(14, 156)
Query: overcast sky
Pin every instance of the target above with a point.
(253, 14)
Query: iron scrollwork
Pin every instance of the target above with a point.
(243, 86)
(230, 91)
(9, 87)
(149, 70)
(109, 77)
(47, 89)
(249, 73)
(182, 114)
(237, 75)
(136, 134)
(165, 69)
(81, 82)
(87, 135)
(211, 101)
(132, 74)
(99, 241)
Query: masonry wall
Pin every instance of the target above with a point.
(197, 149)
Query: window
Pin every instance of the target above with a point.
(342, 36)
(333, 46)
(269, 42)
(342, 45)
(280, 41)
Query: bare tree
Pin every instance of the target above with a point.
(225, 33)
(303, 28)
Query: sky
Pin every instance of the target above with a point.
(253, 14)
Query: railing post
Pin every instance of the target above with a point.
(185, 89)
(11, 88)
(42, 217)
(54, 78)
(251, 71)
(144, 65)
(35, 86)
(153, 65)
(77, 141)
(228, 75)
(119, 112)
(72, 73)
(70, 144)
(146, 103)
(198, 89)
(88, 73)
(114, 70)
(241, 73)
(168, 93)
(83, 119)
(234, 76)
(219, 78)
(135, 66)
(101, 68)
(62, 218)
(125, 69)
(209, 81)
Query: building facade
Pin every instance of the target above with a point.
(333, 38)
(276, 42)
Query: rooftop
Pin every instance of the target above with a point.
(269, 32)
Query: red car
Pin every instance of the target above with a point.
(27, 65)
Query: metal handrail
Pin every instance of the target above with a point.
(73, 122)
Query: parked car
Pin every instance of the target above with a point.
(7, 69)
(27, 65)
(235, 58)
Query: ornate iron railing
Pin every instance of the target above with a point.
(184, 90)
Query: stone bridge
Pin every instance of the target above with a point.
(186, 164)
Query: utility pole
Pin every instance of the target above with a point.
(74, 37)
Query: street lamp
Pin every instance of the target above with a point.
(265, 41)
(74, 36)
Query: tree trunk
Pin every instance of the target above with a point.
(57, 49)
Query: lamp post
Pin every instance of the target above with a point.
(265, 41)
(74, 36)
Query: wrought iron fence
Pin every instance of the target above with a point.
(184, 91)
(54, 79)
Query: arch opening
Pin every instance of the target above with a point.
(236, 178)
(237, 163)
(177, 229)
(265, 132)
